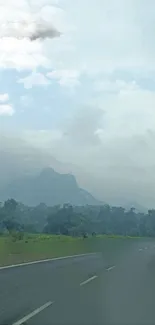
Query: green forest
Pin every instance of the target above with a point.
(75, 220)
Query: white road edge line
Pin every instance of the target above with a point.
(43, 261)
(111, 268)
(88, 280)
(35, 312)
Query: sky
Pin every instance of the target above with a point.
(77, 84)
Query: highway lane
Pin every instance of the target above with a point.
(124, 294)
(24, 289)
(130, 289)
(82, 290)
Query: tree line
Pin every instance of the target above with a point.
(75, 220)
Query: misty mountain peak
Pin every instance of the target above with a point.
(48, 187)
(47, 172)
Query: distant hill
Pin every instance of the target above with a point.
(138, 208)
(48, 187)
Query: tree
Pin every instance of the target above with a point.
(12, 225)
(75, 220)
(9, 219)
(10, 206)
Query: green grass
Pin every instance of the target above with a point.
(35, 247)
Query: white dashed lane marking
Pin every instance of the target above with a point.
(34, 313)
(88, 280)
(110, 268)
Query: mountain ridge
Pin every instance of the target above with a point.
(49, 187)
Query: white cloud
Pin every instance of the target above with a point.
(32, 30)
(66, 78)
(116, 86)
(4, 98)
(128, 112)
(34, 79)
(20, 23)
(41, 138)
(21, 54)
(6, 110)
(115, 35)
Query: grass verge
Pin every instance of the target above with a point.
(36, 247)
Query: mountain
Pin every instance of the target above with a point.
(48, 187)
(138, 208)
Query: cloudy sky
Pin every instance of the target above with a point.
(77, 83)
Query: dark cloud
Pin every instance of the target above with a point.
(32, 30)
(43, 30)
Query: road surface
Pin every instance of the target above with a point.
(82, 290)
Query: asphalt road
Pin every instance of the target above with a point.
(82, 290)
